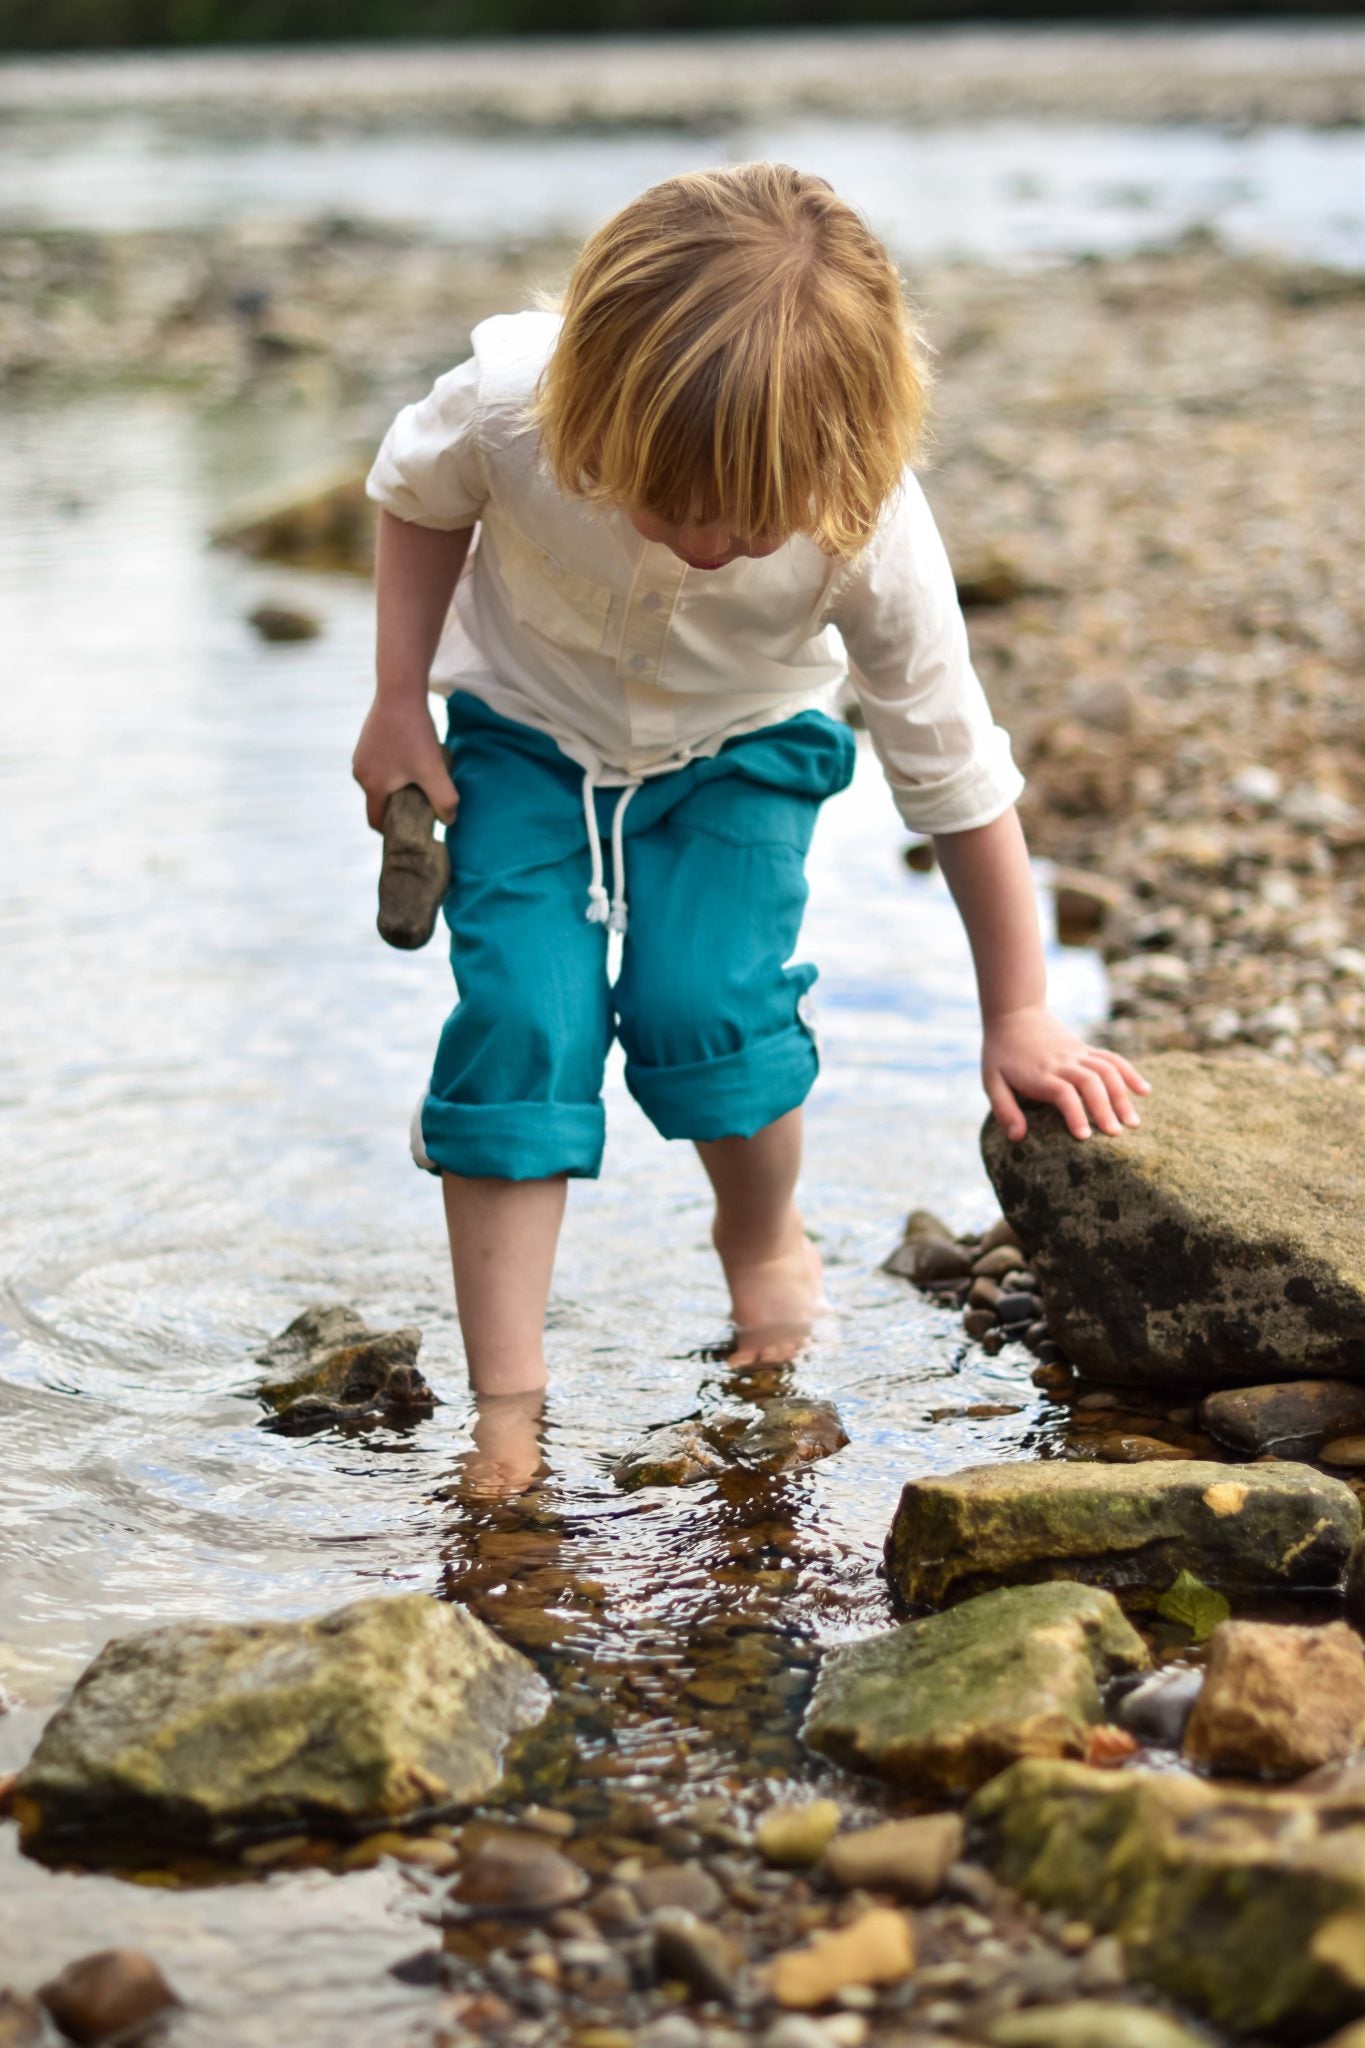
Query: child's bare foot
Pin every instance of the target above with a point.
(775, 1295)
(506, 1458)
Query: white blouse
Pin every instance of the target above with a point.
(566, 619)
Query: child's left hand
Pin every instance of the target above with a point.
(1029, 1052)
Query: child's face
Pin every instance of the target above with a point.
(704, 547)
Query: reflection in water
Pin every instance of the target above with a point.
(207, 1067)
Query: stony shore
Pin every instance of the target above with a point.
(1218, 73)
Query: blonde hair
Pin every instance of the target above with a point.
(736, 349)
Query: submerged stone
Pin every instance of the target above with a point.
(1207, 1247)
(938, 1706)
(1239, 1528)
(197, 1734)
(1248, 1907)
(114, 1995)
(678, 1456)
(789, 1434)
(328, 1366)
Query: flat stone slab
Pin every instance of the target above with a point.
(198, 1734)
(1242, 1529)
(1248, 1907)
(938, 1706)
(1221, 1244)
(1289, 1418)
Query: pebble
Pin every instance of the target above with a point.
(548, 1820)
(675, 2030)
(21, 2021)
(996, 1263)
(116, 1991)
(1118, 1447)
(1346, 1451)
(1157, 1709)
(1103, 1967)
(517, 1873)
(703, 1958)
(679, 1884)
(793, 2031)
(793, 1836)
(911, 1857)
(876, 1948)
(983, 1294)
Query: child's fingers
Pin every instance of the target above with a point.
(440, 792)
(1007, 1111)
(1131, 1074)
(1106, 1067)
(1066, 1099)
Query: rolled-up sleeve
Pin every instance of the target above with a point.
(948, 763)
(430, 468)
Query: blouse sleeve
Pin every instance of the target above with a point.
(948, 763)
(430, 469)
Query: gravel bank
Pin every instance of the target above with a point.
(1292, 72)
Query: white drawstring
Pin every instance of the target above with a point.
(613, 914)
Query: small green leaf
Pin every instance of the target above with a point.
(1195, 1605)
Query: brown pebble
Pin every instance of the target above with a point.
(977, 1321)
(1348, 1451)
(911, 1857)
(260, 1855)
(112, 1992)
(1053, 1379)
(679, 1884)
(1116, 1447)
(548, 1820)
(517, 1873)
(983, 1294)
(994, 1265)
(999, 1233)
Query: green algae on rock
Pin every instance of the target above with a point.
(198, 1733)
(938, 1706)
(1249, 1907)
(1217, 1245)
(1241, 1528)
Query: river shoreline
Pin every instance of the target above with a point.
(1275, 72)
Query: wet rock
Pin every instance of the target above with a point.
(1348, 1452)
(707, 1961)
(1094, 2024)
(789, 1434)
(414, 873)
(684, 1885)
(1157, 1709)
(938, 1706)
(1273, 1882)
(677, 1456)
(1001, 1260)
(194, 1732)
(284, 622)
(792, 1836)
(1241, 1529)
(1122, 1447)
(910, 1857)
(325, 522)
(114, 1995)
(876, 1948)
(1277, 1701)
(21, 2021)
(1290, 1417)
(328, 1366)
(508, 1872)
(927, 1260)
(1204, 1248)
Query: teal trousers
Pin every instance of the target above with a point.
(714, 1019)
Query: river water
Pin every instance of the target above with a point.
(207, 1064)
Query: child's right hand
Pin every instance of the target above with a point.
(398, 745)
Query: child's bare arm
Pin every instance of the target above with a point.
(1026, 1050)
(416, 570)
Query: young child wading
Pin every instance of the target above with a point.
(678, 483)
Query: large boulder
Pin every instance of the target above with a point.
(1221, 1244)
(938, 1706)
(1246, 1906)
(198, 1734)
(1240, 1528)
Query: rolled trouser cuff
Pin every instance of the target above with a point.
(512, 1140)
(732, 1096)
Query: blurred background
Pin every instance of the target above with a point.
(1137, 249)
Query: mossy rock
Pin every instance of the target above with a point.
(1243, 1529)
(1220, 1244)
(938, 1706)
(195, 1734)
(1248, 1907)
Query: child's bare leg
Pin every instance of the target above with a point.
(772, 1268)
(503, 1235)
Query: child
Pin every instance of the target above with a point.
(678, 484)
